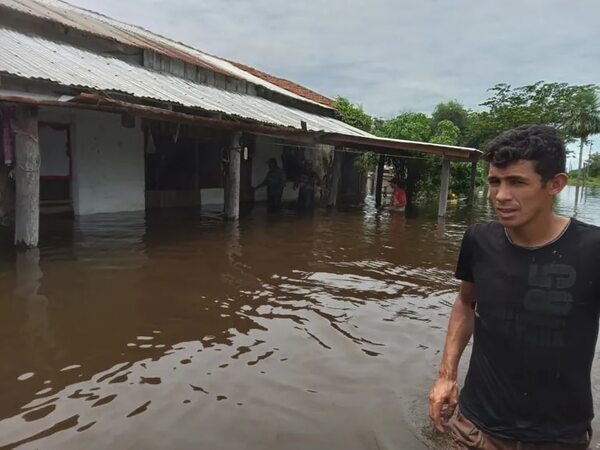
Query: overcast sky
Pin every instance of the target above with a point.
(388, 55)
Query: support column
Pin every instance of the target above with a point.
(27, 178)
(232, 187)
(472, 182)
(444, 188)
(336, 176)
(379, 180)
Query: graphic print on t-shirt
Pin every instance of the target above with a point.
(547, 302)
(548, 289)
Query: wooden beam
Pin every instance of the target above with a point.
(232, 188)
(444, 188)
(338, 159)
(379, 181)
(97, 103)
(27, 177)
(393, 147)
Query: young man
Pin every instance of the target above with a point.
(530, 296)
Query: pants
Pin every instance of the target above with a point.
(466, 436)
(306, 199)
(274, 199)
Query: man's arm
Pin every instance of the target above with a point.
(443, 396)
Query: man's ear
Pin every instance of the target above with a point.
(557, 183)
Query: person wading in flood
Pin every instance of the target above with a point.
(306, 184)
(275, 183)
(398, 200)
(530, 296)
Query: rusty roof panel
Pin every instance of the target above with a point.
(287, 84)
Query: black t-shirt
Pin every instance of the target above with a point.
(536, 325)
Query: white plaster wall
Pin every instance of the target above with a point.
(109, 164)
(265, 149)
(107, 161)
(211, 197)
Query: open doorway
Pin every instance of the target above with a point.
(55, 170)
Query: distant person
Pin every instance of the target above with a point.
(306, 185)
(275, 183)
(398, 200)
(530, 298)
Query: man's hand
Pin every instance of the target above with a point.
(443, 399)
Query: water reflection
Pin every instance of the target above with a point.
(177, 330)
(29, 275)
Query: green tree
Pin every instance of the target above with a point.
(593, 166)
(353, 114)
(409, 126)
(413, 169)
(584, 120)
(452, 111)
(508, 107)
(446, 132)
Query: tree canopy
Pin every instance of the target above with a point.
(451, 111)
(544, 103)
(353, 114)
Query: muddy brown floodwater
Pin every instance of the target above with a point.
(179, 331)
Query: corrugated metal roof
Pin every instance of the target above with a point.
(33, 57)
(108, 28)
(287, 84)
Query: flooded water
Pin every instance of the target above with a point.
(181, 331)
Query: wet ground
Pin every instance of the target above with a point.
(282, 332)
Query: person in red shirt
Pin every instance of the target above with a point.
(398, 201)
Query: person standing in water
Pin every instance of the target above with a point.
(306, 186)
(398, 200)
(530, 298)
(275, 183)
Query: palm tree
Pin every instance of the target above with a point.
(584, 122)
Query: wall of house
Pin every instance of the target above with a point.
(107, 161)
(212, 196)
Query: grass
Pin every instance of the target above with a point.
(587, 182)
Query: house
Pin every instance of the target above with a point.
(100, 116)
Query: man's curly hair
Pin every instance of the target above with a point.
(538, 143)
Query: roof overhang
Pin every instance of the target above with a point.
(393, 147)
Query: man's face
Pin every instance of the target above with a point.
(518, 193)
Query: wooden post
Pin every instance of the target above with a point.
(232, 188)
(379, 180)
(27, 178)
(472, 185)
(444, 188)
(338, 159)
